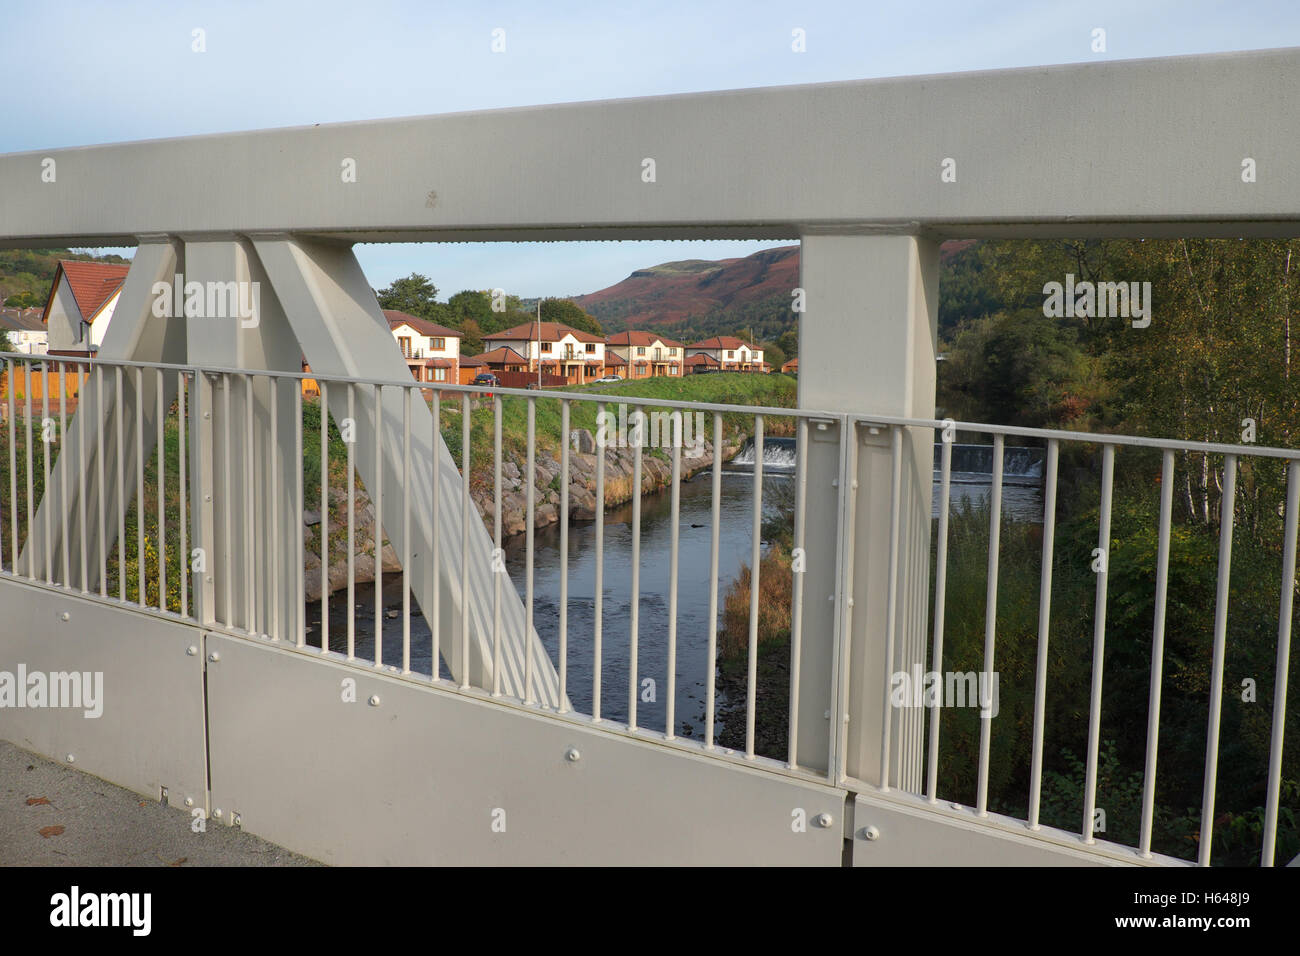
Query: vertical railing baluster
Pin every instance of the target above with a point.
(598, 601)
(435, 625)
(940, 605)
(323, 399)
(121, 489)
(564, 553)
(891, 602)
(46, 447)
(796, 599)
(11, 368)
(299, 596)
(406, 531)
(756, 561)
(634, 621)
(160, 432)
(103, 485)
(66, 538)
(350, 439)
(252, 548)
(1098, 642)
(990, 622)
(670, 713)
(274, 574)
(1281, 671)
(710, 683)
(83, 531)
(531, 494)
(1157, 652)
(466, 464)
(377, 503)
(498, 554)
(141, 592)
(1226, 514)
(183, 517)
(227, 534)
(1044, 627)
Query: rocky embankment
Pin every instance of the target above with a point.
(656, 474)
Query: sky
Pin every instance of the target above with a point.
(80, 73)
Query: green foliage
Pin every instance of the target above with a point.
(566, 313)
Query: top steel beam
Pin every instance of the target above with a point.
(1128, 148)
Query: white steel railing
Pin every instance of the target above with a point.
(220, 542)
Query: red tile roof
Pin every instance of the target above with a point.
(503, 356)
(634, 337)
(701, 360)
(472, 361)
(423, 326)
(613, 358)
(439, 363)
(549, 332)
(92, 284)
(722, 342)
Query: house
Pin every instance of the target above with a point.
(791, 366)
(647, 355)
(471, 365)
(80, 305)
(504, 359)
(615, 364)
(561, 350)
(731, 354)
(26, 331)
(432, 351)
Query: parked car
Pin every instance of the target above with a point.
(485, 378)
(607, 380)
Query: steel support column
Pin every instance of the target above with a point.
(867, 340)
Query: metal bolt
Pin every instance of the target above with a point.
(214, 657)
(71, 759)
(192, 651)
(207, 416)
(822, 820)
(374, 700)
(65, 616)
(870, 833)
(189, 801)
(236, 819)
(955, 805)
(207, 497)
(216, 814)
(572, 755)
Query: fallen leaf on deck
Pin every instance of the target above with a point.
(48, 832)
(37, 801)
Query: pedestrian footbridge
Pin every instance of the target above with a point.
(152, 498)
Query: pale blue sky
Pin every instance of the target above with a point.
(76, 73)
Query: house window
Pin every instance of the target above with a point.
(729, 354)
(640, 350)
(440, 375)
(405, 343)
(439, 344)
(672, 352)
(546, 346)
(591, 347)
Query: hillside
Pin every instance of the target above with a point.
(696, 298)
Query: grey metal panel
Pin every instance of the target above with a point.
(151, 732)
(1090, 147)
(415, 780)
(910, 832)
